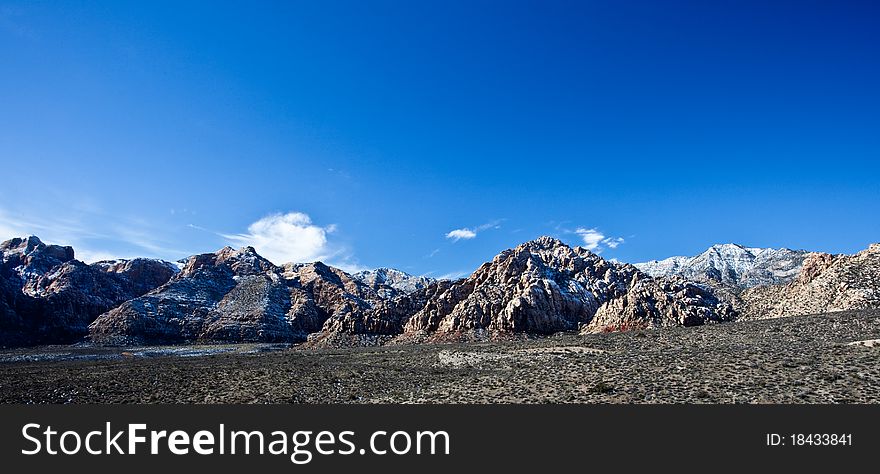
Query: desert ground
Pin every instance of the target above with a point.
(830, 358)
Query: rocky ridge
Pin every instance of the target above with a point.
(48, 297)
(540, 287)
(732, 265)
(827, 283)
(389, 282)
(235, 295)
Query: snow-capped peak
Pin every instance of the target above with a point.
(732, 264)
(393, 278)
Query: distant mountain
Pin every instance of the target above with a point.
(390, 282)
(48, 297)
(235, 296)
(733, 265)
(826, 283)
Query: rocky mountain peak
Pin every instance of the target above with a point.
(733, 265)
(243, 261)
(31, 255)
(544, 242)
(390, 282)
(309, 272)
(46, 296)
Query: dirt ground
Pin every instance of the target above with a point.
(833, 358)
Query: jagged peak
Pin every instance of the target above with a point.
(26, 244)
(32, 249)
(729, 246)
(544, 242)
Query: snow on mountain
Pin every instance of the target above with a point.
(389, 282)
(732, 264)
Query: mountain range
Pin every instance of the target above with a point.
(537, 288)
(733, 265)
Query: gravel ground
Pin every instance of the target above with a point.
(804, 359)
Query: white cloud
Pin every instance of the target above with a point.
(290, 237)
(592, 238)
(470, 233)
(459, 234)
(612, 243)
(595, 241)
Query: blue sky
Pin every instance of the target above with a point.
(430, 136)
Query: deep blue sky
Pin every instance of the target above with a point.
(163, 129)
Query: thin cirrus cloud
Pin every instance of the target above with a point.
(88, 233)
(596, 241)
(293, 237)
(469, 233)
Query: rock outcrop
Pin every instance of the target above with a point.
(539, 287)
(235, 296)
(48, 297)
(732, 265)
(827, 283)
(661, 302)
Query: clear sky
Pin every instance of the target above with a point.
(430, 136)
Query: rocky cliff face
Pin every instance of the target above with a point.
(826, 283)
(539, 287)
(661, 302)
(732, 265)
(235, 296)
(47, 297)
(381, 323)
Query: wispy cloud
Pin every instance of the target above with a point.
(453, 275)
(142, 236)
(612, 243)
(596, 241)
(82, 229)
(469, 233)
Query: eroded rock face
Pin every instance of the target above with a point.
(827, 283)
(661, 302)
(48, 297)
(235, 296)
(814, 265)
(539, 287)
(380, 323)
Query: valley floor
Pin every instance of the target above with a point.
(805, 359)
